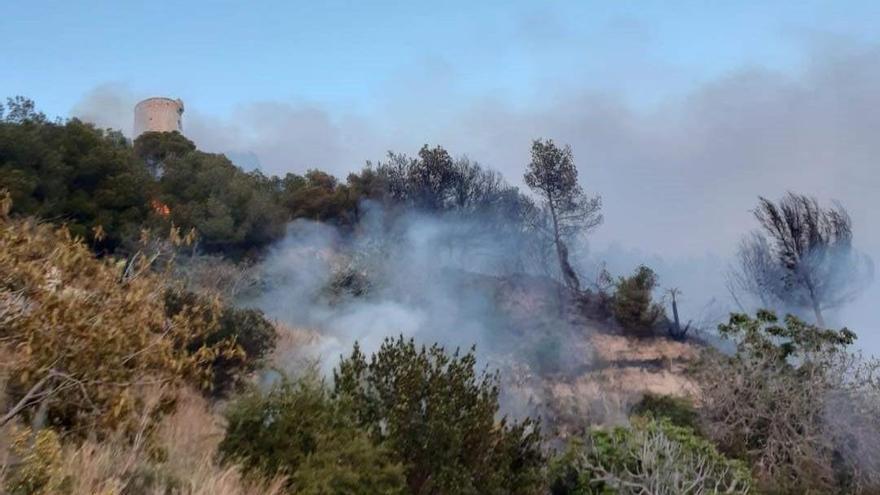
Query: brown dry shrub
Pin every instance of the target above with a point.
(85, 336)
(214, 274)
(796, 403)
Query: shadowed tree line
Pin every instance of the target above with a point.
(106, 189)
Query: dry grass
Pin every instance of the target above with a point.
(611, 348)
(621, 387)
(5, 430)
(189, 439)
(180, 459)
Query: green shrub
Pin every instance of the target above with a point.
(297, 429)
(633, 307)
(678, 410)
(652, 456)
(439, 416)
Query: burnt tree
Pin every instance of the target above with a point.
(802, 257)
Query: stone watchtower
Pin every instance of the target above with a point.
(158, 115)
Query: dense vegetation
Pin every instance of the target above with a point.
(106, 190)
(299, 429)
(411, 420)
(652, 456)
(121, 344)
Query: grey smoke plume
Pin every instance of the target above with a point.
(108, 106)
(678, 178)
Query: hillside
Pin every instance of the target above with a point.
(580, 366)
(421, 328)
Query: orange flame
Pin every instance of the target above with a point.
(160, 208)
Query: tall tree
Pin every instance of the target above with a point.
(568, 210)
(802, 257)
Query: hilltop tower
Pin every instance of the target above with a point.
(158, 114)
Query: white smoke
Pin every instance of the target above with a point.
(434, 278)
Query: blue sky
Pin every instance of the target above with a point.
(348, 54)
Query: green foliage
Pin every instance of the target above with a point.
(73, 173)
(552, 172)
(763, 337)
(633, 306)
(349, 465)
(233, 211)
(247, 329)
(678, 410)
(318, 196)
(299, 430)
(438, 415)
(435, 182)
(652, 456)
(107, 190)
(153, 148)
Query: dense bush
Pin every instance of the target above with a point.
(437, 414)
(89, 178)
(411, 420)
(154, 148)
(319, 196)
(232, 211)
(297, 429)
(633, 306)
(652, 456)
(73, 173)
(794, 402)
(86, 338)
(248, 329)
(434, 181)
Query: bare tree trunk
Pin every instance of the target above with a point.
(675, 330)
(820, 320)
(675, 311)
(568, 274)
(817, 309)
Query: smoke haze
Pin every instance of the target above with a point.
(678, 176)
(416, 275)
